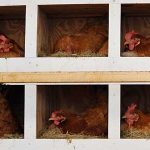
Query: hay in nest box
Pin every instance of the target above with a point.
(136, 133)
(65, 54)
(12, 136)
(54, 132)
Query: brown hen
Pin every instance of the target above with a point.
(136, 118)
(68, 122)
(91, 39)
(9, 48)
(92, 122)
(8, 124)
(136, 45)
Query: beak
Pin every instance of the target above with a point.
(123, 117)
(52, 119)
(126, 43)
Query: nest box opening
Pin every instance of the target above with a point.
(11, 111)
(12, 31)
(135, 23)
(73, 30)
(135, 111)
(83, 109)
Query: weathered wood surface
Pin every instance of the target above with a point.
(74, 77)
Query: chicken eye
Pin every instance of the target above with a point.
(127, 46)
(137, 39)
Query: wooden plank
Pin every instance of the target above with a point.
(75, 9)
(74, 77)
(129, 9)
(12, 11)
(43, 108)
(43, 33)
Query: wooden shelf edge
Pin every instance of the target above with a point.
(74, 77)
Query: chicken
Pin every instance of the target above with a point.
(130, 115)
(136, 118)
(90, 39)
(144, 119)
(68, 122)
(136, 45)
(8, 124)
(103, 51)
(92, 122)
(9, 48)
(96, 119)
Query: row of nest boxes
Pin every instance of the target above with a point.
(75, 30)
(75, 111)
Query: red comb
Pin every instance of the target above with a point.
(129, 35)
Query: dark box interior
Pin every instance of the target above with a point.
(57, 21)
(135, 17)
(73, 99)
(11, 111)
(139, 95)
(12, 24)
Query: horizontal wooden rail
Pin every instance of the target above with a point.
(74, 77)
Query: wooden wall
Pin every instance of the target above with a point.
(16, 96)
(45, 104)
(42, 108)
(42, 34)
(12, 23)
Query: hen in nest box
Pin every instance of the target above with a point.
(92, 122)
(130, 115)
(136, 118)
(92, 39)
(68, 122)
(8, 124)
(9, 48)
(136, 45)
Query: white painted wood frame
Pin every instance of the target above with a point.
(33, 64)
